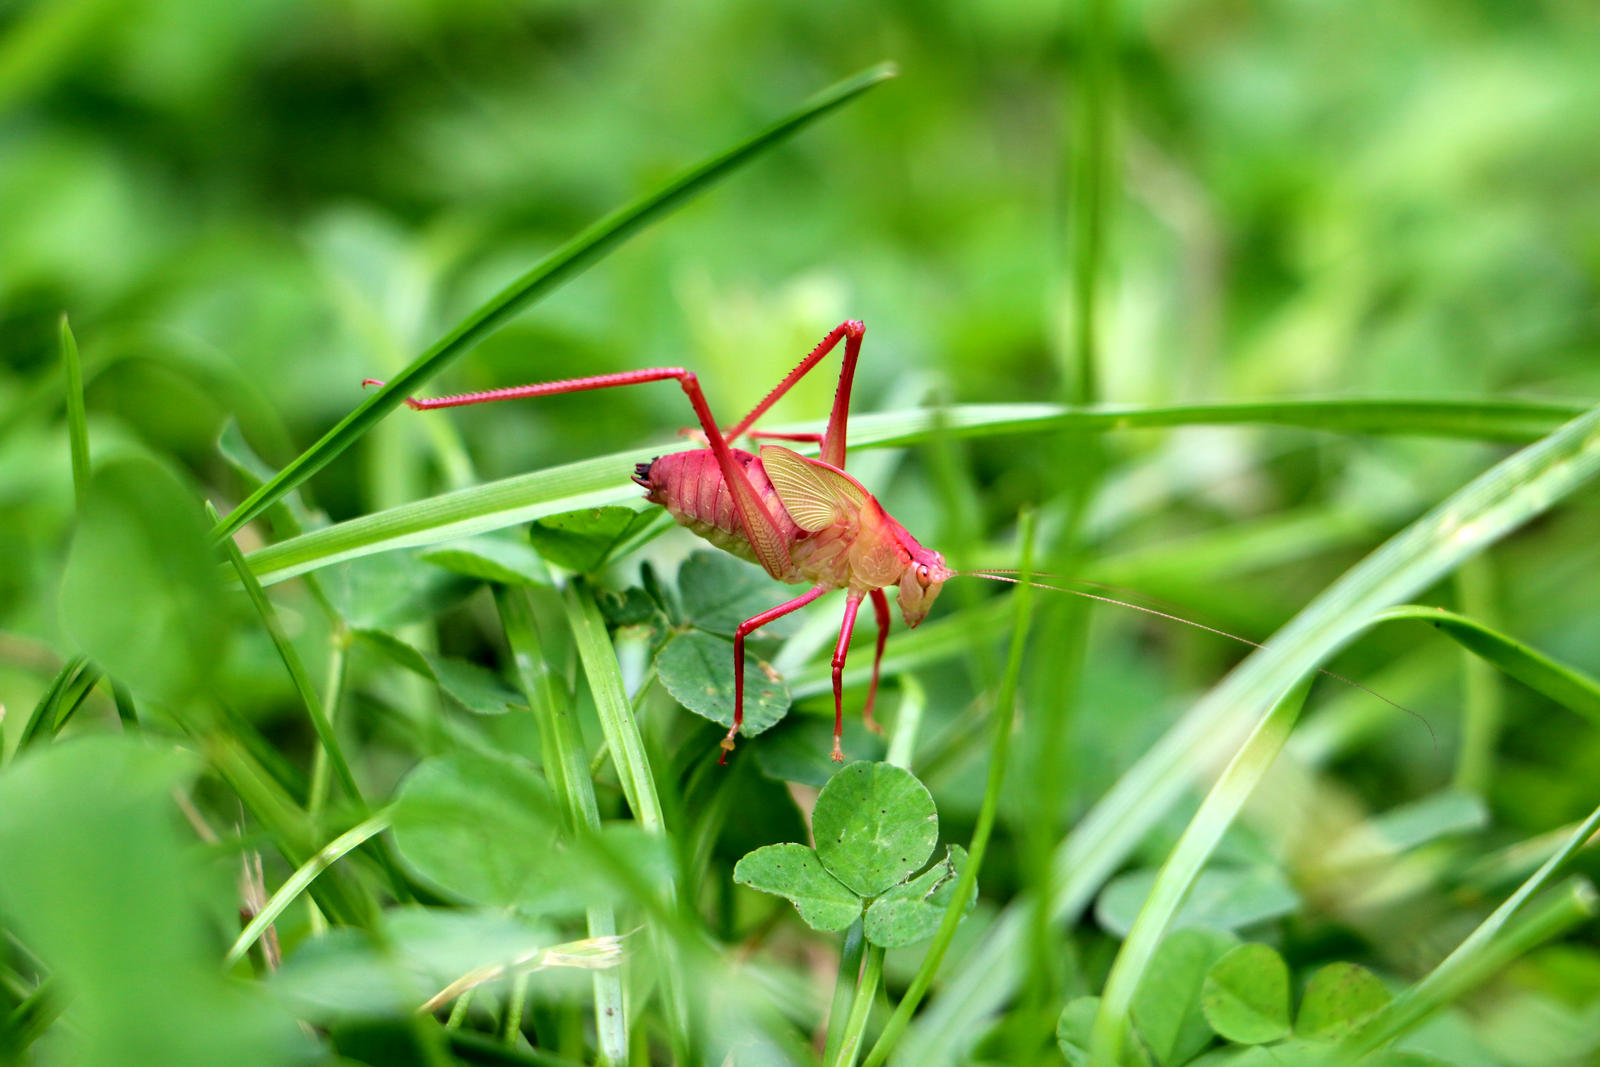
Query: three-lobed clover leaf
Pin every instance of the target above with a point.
(875, 825)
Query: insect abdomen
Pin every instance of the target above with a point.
(691, 487)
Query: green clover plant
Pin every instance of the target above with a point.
(875, 827)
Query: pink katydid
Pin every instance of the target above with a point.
(805, 521)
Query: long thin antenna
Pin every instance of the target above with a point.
(995, 575)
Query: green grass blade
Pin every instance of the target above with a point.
(1570, 688)
(1001, 726)
(77, 419)
(301, 880)
(1092, 167)
(1182, 867)
(622, 735)
(561, 265)
(1485, 950)
(70, 688)
(1512, 421)
(1501, 499)
(604, 480)
(296, 668)
(567, 769)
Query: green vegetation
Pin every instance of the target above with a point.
(333, 732)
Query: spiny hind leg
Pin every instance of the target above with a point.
(761, 529)
(851, 331)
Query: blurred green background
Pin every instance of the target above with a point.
(247, 208)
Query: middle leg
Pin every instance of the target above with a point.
(749, 626)
(851, 605)
(880, 608)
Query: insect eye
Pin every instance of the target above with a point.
(922, 574)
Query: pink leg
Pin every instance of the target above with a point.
(763, 435)
(851, 604)
(880, 608)
(750, 625)
(832, 441)
(761, 529)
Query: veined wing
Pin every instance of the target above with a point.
(815, 494)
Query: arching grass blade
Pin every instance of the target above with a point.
(559, 266)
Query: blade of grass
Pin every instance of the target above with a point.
(1182, 867)
(561, 265)
(70, 688)
(338, 660)
(855, 1027)
(844, 989)
(1483, 700)
(293, 664)
(622, 735)
(1521, 486)
(1572, 689)
(604, 480)
(287, 824)
(1485, 950)
(301, 880)
(77, 419)
(1000, 726)
(1092, 166)
(567, 769)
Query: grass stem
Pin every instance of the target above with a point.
(999, 746)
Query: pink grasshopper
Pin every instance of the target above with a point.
(805, 521)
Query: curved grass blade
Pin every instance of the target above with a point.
(604, 480)
(1499, 500)
(1485, 950)
(559, 266)
(70, 688)
(298, 882)
(315, 710)
(1567, 687)
(1570, 688)
(1182, 867)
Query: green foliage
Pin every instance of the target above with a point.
(1169, 1013)
(1223, 897)
(585, 541)
(1246, 996)
(875, 826)
(93, 813)
(473, 687)
(716, 593)
(1337, 998)
(142, 542)
(1276, 315)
